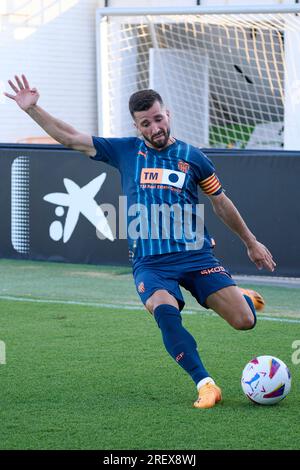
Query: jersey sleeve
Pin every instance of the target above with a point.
(108, 150)
(206, 174)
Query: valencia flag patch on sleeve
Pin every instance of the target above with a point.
(210, 185)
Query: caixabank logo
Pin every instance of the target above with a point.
(78, 201)
(30, 219)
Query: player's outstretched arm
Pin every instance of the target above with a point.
(27, 99)
(228, 213)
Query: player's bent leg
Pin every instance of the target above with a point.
(233, 306)
(182, 346)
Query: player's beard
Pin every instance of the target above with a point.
(159, 144)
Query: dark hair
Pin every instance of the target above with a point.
(143, 100)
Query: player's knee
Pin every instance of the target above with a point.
(244, 321)
(158, 298)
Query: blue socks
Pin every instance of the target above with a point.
(179, 343)
(250, 303)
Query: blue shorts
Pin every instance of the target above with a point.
(198, 272)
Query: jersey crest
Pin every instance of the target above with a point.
(183, 166)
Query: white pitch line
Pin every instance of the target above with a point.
(71, 302)
(130, 307)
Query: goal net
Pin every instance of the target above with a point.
(230, 80)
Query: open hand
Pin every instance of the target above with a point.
(261, 256)
(25, 97)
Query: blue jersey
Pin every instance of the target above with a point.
(155, 181)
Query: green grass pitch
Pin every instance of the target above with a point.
(86, 368)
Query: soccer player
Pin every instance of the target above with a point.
(158, 169)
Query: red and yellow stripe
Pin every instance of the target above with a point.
(210, 185)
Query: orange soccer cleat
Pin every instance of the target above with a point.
(209, 396)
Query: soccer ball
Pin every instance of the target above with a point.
(257, 299)
(266, 380)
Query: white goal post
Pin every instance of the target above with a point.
(229, 75)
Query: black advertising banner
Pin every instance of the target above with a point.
(58, 205)
(49, 202)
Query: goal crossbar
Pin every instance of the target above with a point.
(200, 10)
